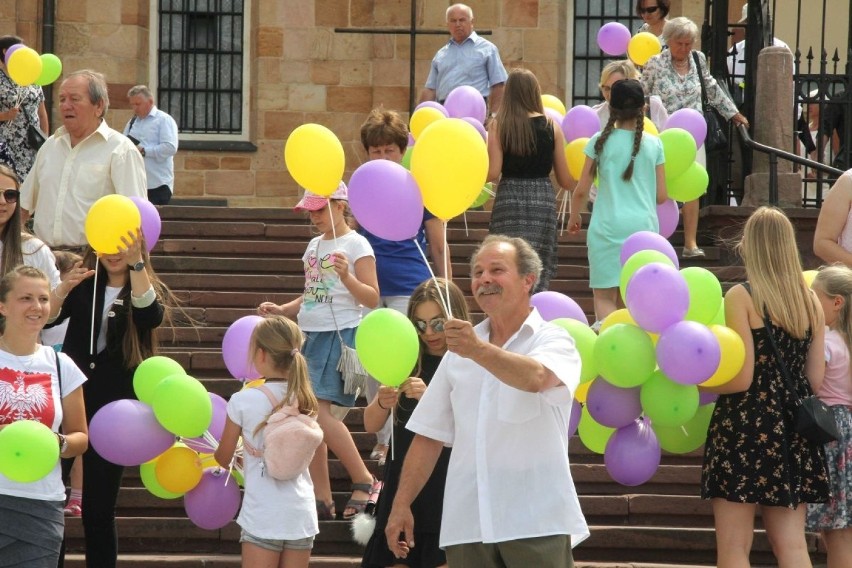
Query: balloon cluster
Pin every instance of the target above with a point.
(112, 216)
(169, 433)
(615, 39)
(27, 67)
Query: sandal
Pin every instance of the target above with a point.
(359, 505)
(325, 511)
(379, 451)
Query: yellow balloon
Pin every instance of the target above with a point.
(650, 127)
(109, 219)
(642, 47)
(24, 66)
(618, 316)
(450, 164)
(315, 158)
(421, 118)
(808, 274)
(253, 384)
(552, 102)
(178, 469)
(575, 156)
(733, 356)
(582, 392)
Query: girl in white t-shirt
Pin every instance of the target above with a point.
(278, 518)
(340, 278)
(833, 287)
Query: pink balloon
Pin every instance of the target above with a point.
(613, 406)
(235, 348)
(151, 222)
(478, 125)
(435, 105)
(217, 424)
(12, 50)
(688, 352)
(657, 297)
(126, 432)
(386, 200)
(214, 502)
(633, 454)
(690, 120)
(668, 216)
(613, 38)
(466, 101)
(647, 240)
(580, 121)
(553, 305)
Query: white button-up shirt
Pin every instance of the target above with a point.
(508, 476)
(64, 181)
(158, 135)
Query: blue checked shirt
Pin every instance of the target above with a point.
(474, 62)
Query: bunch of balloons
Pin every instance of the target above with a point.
(615, 39)
(27, 67)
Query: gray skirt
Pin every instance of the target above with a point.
(30, 532)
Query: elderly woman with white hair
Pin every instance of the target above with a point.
(673, 76)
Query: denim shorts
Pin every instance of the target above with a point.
(277, 545)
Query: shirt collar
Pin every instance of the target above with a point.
(473, 38)
(531, 324)
(103, 129)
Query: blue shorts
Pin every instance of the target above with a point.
(277, 545)
(322, 350)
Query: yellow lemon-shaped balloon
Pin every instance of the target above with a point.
(315, 158)
(733, 356)
(178, 469)
(421, 118)
(552, 102)
(575, 156)
(109, 219)
(642, 47)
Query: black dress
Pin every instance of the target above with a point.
(428, 506)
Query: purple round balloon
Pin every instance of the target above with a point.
(688, 353)
(410, 140)
(478, 125)
(647, 240)
(466, 101)
(126, 432)
(633, 454)
(214, 502)
(657, 297)
(235, 348)
(705, 397)
(386, 200)
(151, 222)
(433, 104)
(216, 427)
(613, 406)
(690, 120)
(580, 121)
(613, 38)
(553, 305)
(668, 215)
(12, 50)
(574, 419)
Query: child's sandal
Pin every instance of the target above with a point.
(358, 505)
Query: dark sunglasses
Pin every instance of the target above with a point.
(649, 10)
(437, 325)
(10, 195)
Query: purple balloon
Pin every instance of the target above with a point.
(478, 125)
(647, 240)
(12, 50)
(690, 120)
(433, 104)
(633, 454)
(668, 215)
(613, 38)
(151, 222)
(553, 305)
(705, 397)
(574, 419)
(613, 406)
(386, 200)
(580, 121)
(216, 427)
(126, 432)
(466, 101)
(410, 140)
(235, 348)
(657, 297)
(214, 502)
(688, 352)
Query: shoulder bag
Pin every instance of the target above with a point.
(35, 136)
(716, 138)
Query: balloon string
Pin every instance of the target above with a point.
(392, 440)
(444, 302)
(94, 301)
(563, 210)
(333, 229)
(466, 232)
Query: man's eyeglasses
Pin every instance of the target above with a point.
(437, 325)
(649, 10)
(10, 195)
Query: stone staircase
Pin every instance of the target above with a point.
(221, 262)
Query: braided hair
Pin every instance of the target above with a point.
(620, 115)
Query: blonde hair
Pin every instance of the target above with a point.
(281, 339)
(836, 280)
(774, 270)
(623, 67)
(521, 97)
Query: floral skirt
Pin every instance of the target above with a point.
(837, 513)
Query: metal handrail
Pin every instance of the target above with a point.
(774, 154)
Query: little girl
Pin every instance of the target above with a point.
(278, 518)
(631, 179)
(833, 287)
(340, 277)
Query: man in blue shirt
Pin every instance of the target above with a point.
(155, 134)
(467, 59)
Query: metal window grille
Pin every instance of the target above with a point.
(200, 64)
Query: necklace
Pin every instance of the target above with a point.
(25, 365)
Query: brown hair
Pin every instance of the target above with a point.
(13, 234)
(384, 127)
(664, 6)
(521, 97)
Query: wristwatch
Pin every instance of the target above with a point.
(63, 442)
(138, 267)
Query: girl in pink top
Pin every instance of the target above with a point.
(833, 287)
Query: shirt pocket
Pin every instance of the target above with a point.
(91, 181)
(515, 406)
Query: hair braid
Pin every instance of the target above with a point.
(637, 142)
(610, 125)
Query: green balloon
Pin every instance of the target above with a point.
(679, 149)
(593, 435)
(666, 402)
(690, 185)
(149, 480)
(406, 158)
(182, 406)
(484, 195)
(705, 294)
(688, 437)
(625, 355)
(636, 261)
(387, 346)
(51, 69)
(28, 451)
(584, 341)
(150, 372)
(719, 318)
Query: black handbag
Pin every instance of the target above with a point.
(35, 136)
(717, 138)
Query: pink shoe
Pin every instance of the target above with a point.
(74, 508)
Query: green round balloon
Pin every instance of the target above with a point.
(182, 406)
(406, 158)
(679, 149)
(28, 451)
(625, 355)
(635, 262)
(51, 69)
(149, 480)
(705, 294)
(584, 341)
(150, 372)
(666, 402)
(690, 185)
(719, 318)
(593, 435)
(687, 437)
(484, 195)
(387, 346)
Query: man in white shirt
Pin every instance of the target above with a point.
(81, 162)
(501, 398)
(155, 134)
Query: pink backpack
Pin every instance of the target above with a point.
(290, 439)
